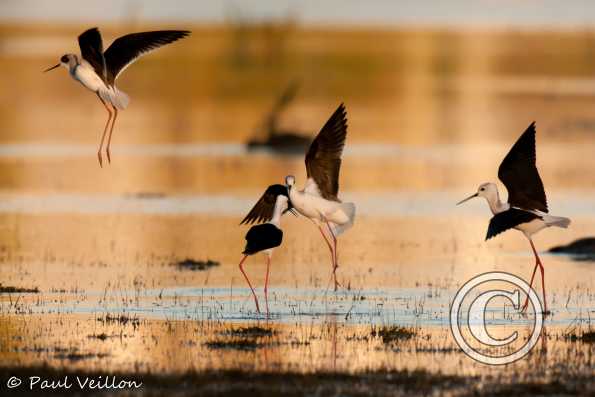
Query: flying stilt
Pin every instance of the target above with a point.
(526, 209)
(98, 70)
(266, 236)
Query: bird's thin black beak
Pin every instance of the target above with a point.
(52, 68)
(467, 199)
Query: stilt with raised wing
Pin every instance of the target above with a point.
(526, 209)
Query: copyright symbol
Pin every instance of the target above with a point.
(13, 382)
(501, 342)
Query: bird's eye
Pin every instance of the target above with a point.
(64, 59)
(482, 189)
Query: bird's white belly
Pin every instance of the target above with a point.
(86, 76)
(532, 227)
(317, 208)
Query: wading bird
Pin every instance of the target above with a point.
(98, 70)
(266, 236)
(526, 209)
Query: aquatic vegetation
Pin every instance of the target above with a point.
(4, 289)
(394, 333)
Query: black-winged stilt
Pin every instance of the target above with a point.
(526, 209)
(319, 200)
(266, 236)
(98, 70)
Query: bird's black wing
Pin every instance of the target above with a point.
(126, 49)
(323, 160)
(262, 237)
(519, 173)
(265, 207)
(91, 47)
(507, 220)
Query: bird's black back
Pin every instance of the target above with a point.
(262, 237)
(507, 220)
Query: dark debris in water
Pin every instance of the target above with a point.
(121, 319)
(5, 289)
(195, 265)
(586, 337)
(393, 333)
(237, 344)
(76, 356)
(102, 336)
(254, 331)
(243, 338)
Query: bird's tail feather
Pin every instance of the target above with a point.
(349, 210)
(558, 221)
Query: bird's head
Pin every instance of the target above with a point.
(289, 181)
(487, 190)
(65, 61)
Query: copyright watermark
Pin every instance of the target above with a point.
(75, 382)
(494, 299)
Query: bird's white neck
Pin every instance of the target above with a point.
(496, 206)
(280, 206)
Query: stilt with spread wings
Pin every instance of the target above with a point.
(98, 70)
(526, 209)
(266, 236)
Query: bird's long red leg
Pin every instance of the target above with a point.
(249, 284)
(104, 130)
(530, 286)
(542, 270)
(335, 260)
(266, 283)
(109, 138)
(330, 247)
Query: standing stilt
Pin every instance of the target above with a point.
(527, 208)
(266, 236)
